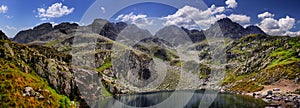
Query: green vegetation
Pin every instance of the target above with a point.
(245, 82)
(106, 65)
(105, 92)
(52, 43)
(247, 87)
(13, 82)
(270, 58)
(176, 63)
(284, 57)
(16, 73)
(163, 53)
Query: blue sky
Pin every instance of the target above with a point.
(276, 17)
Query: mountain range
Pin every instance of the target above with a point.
(71, 65)
(45, 32)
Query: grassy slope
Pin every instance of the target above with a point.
(13, 80)
(285, 64)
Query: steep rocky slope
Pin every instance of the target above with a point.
(23, 70)
(258, 60)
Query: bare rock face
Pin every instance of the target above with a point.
(111, 30)
(3, 36)
(195, 35)
(106, 28)
(136, 69)
(66, 27)
(32, 34)
(45, 32)
(254, 30)
(223, 28)
(226, 28)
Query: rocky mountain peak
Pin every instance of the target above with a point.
(225, 20)
(254, 30)
(31, 35)
(173, 34)
(133, 33)
(97, 25)
(227, 28)
(3, 36)
(44, 26)
(195, 35)
(121, 25)
(227, 24)
(66, 27)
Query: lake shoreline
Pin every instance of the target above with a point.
(222, 99)
(275, 99)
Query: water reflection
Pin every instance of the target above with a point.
(161, 100)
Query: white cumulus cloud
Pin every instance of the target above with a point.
(56, 10)
(279, 27)
(3, 9)
(289, 33)
(191, 17)
(231, 3)
(139, 20)
(242, 19)
(265, 15)
(239, 18)
(286, 23)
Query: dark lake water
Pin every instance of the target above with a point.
(181, 99)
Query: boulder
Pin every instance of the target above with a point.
(276, 89)
(28, 91)
(297, 80)
(41, 97)
(269, 92)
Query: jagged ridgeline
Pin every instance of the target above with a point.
(63, 69)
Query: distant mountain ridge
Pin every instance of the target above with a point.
(223, 28)
(46, 32)
(231, 29)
